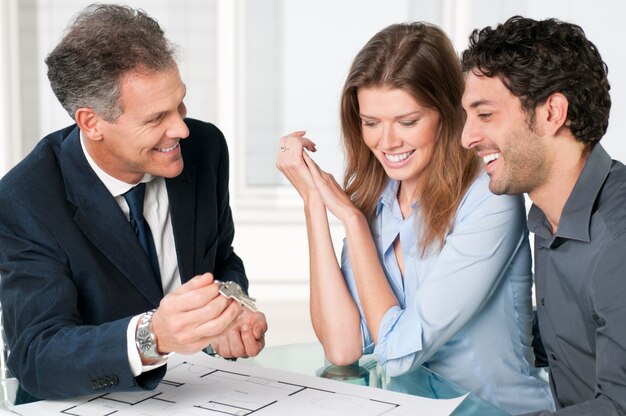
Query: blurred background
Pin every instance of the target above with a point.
(260, 69)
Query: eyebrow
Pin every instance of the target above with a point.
(478, 103)
(156, 114)
(397, 117)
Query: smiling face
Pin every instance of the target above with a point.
(497, 128)
(400, 132)
(145, 138)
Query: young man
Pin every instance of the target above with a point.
(537, 103)
(92, 302)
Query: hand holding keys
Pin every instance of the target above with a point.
(233, 290)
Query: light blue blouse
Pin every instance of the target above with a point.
(465, 311)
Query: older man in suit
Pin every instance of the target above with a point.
(113, 230)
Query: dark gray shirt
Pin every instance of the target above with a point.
(581, 291)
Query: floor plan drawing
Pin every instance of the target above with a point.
(201, 385)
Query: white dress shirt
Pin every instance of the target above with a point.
(156, 211)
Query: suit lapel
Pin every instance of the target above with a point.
(101, 220)
(181, 192)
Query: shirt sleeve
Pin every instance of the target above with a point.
(608, 290)
(608, 287)
(134, 359)
(598, 406)
(487, 235)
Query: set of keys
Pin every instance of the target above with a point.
(233, 290)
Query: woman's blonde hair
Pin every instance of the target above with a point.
(419, 59)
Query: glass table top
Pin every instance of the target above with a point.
(309, 359)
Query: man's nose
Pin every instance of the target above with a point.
(470, 136)
(178, 128)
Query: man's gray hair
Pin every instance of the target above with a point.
(99, 47)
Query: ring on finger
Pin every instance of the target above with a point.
(283, 148)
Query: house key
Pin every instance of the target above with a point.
(232, 290)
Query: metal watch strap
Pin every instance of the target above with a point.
(145, 340)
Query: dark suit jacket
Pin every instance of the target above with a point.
(74, 274)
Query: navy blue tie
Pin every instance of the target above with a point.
(134, 198)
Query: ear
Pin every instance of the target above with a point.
(554, 113)
(88, 122)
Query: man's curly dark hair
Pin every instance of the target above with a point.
(535, 59)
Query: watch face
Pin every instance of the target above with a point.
(144, 339)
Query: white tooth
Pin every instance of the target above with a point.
(397, 158)
(167, 149)
(491, 157)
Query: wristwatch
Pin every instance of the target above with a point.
(146, 340)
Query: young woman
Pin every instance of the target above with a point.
(435, 269)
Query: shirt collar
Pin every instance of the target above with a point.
(389, 222)
(389, 195)
(576, 216)
(114, 186)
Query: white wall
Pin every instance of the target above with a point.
(10, 132)
(260, 69)
(313, 45)
(190, 24)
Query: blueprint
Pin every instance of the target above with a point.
(201, 385)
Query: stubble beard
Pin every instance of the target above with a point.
(523, 166)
